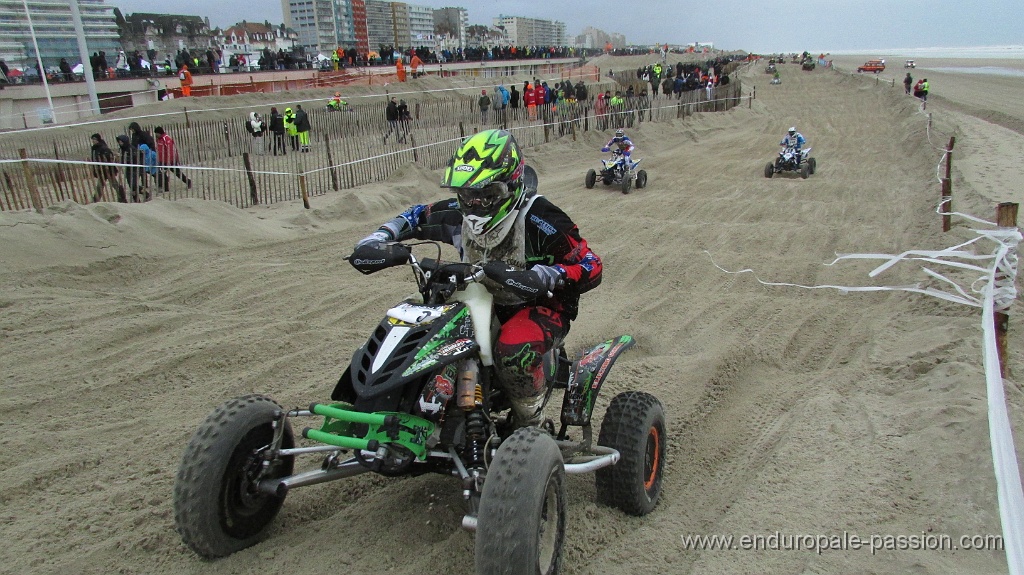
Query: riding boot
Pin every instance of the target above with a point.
(528, 410)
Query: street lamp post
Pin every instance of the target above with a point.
(83, 54)
(39, 61)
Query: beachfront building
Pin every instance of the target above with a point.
(379, 30)
(317, 22)
(450, 26)
(361, 41)
(251, 39)
(595, 38)
(165, 34)
(522, 31)
(421, 25)
(54, 31)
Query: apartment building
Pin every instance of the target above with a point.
(54, 31)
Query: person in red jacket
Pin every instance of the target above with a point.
(530, 99)
(167, 158)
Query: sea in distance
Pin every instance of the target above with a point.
(978, 54)
(1014, 52)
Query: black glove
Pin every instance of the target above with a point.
(527, 284)
(371, 257)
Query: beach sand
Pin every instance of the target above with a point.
(790, 412)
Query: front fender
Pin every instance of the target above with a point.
(587, 375)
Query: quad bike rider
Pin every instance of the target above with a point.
(792, 158)
(494, 218)
(620, 168)
(456, 385)
(336, 103)
(623, 146)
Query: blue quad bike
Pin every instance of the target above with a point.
(615, 171)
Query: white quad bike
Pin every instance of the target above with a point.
(787, 162)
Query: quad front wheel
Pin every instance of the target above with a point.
(641, 179)
(769, 169)
(217, 509)
(627, 183)
(521, 522)
(814, 165)
(635, 426)
(805, 171)
(591, 179)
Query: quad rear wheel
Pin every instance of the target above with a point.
(634, 424)
(521, 522)
(814, 165)
(769, 169)
(217, 509)
(641, 179)
(591, 179)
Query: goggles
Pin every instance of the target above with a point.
(487, 197)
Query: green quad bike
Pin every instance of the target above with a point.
(421, 396)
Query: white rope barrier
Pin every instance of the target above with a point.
(995, 290)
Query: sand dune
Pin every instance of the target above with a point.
(790, 411)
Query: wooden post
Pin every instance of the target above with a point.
(415, 153)
(547, 134)
(1006, 217)
(253, 195)
(187, 124)
(572, 128)
(227, 137)
(33, 192)
(302, 185)
(947, 187)
(462, 131)
(330, 162)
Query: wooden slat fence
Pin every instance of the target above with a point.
(348, 148)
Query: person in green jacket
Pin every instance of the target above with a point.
(291, 129)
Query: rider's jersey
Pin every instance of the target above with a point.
(551, 239)
(622, 143)
(794, 141)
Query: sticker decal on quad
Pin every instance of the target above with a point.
(449, 349)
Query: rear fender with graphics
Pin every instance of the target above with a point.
(587, 375)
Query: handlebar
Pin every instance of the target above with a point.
(439, 277)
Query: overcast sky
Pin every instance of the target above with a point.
(751, 25)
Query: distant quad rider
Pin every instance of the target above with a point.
(623, 145)
(795, 140)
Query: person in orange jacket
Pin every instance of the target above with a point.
(400, 69)
(186, 80)
(415, 63)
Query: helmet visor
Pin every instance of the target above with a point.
(484, 201)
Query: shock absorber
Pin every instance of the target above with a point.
(471, 400)
(476, 437)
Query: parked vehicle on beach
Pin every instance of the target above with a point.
(910, 64)
(875, 66)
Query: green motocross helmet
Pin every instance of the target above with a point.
(486, 173)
